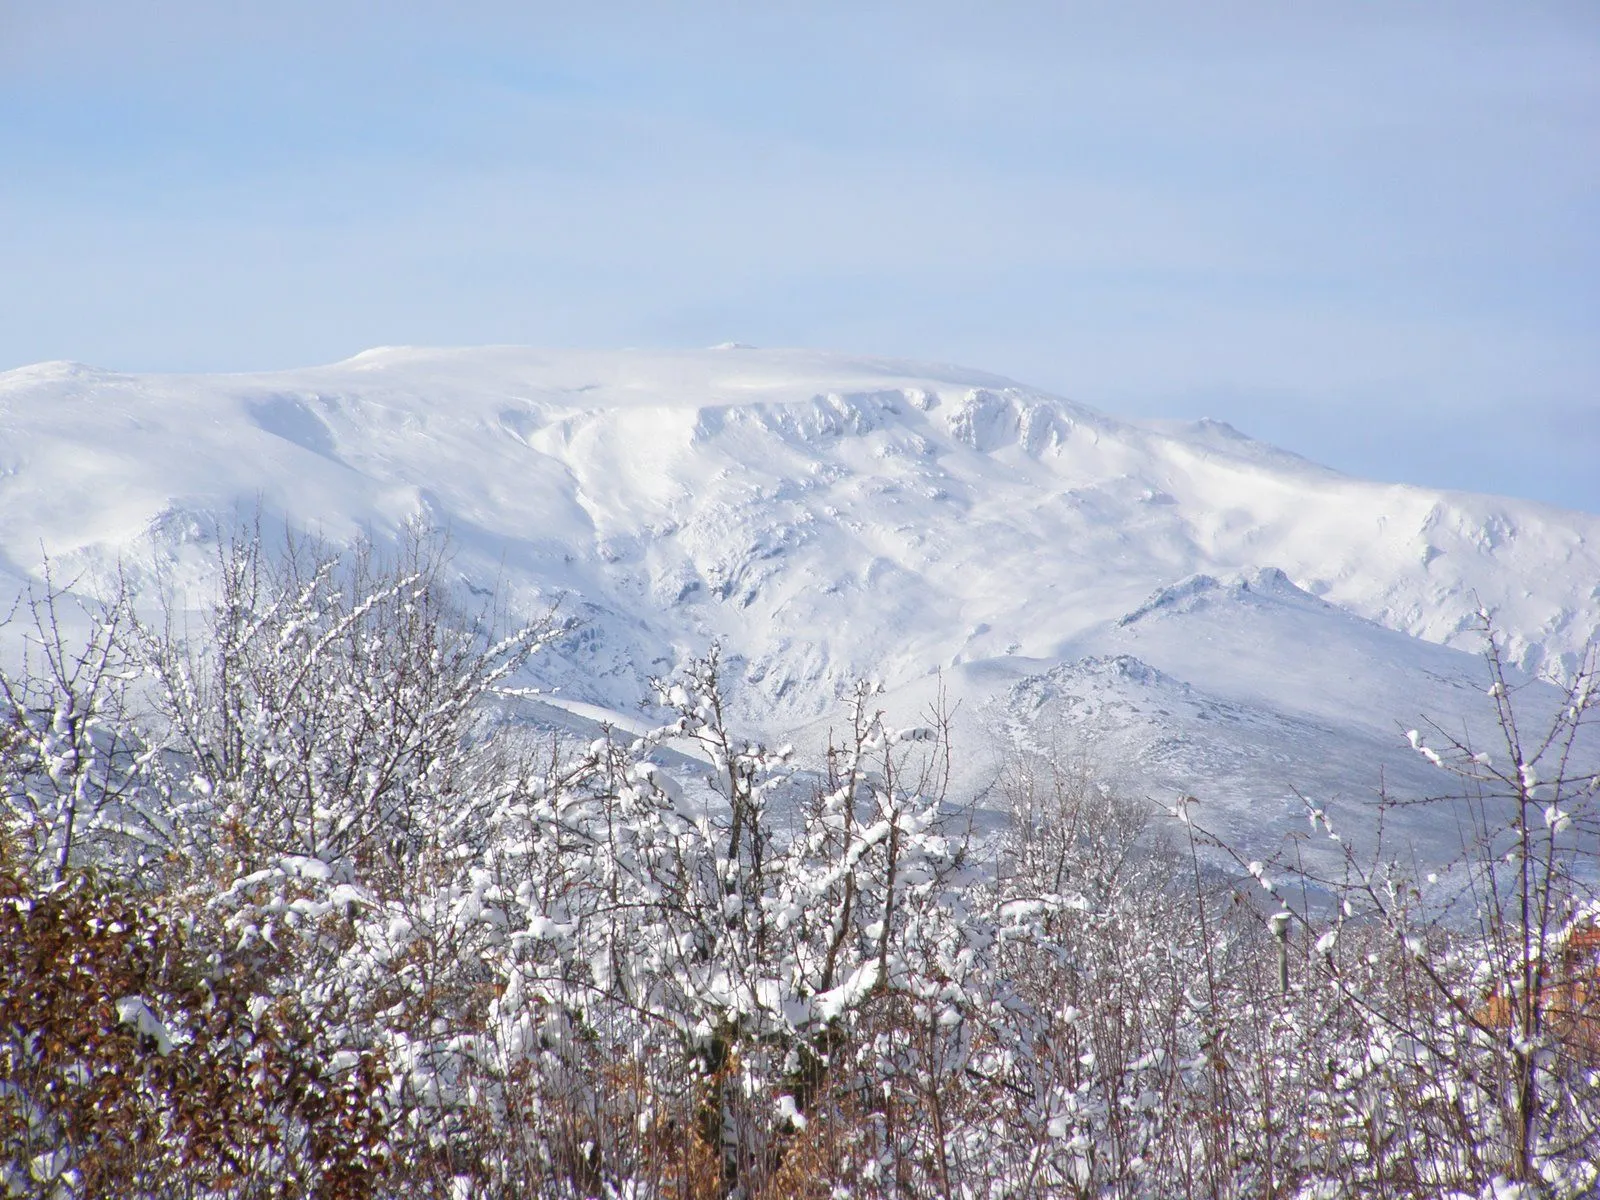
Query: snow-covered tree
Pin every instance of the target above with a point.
(1450, 1019)
(293, 896)
(75, 779)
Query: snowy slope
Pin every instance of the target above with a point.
(829, 516)
(1248, 691)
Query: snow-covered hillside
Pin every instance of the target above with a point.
(1197, 606)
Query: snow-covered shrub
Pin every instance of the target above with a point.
(137, 1060)
(330, 738)
(1443, 1027)
(728, 955)
(75, 778)
(293, 899)
(326, 712)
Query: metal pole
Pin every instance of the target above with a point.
(1279, 921)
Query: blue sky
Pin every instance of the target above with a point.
(1370, 233)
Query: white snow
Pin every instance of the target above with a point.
(1195, 605)
(135, 1011)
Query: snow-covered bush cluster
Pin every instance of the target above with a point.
(293, 905)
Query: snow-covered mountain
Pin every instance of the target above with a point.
(1199, 610)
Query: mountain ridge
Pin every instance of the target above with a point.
(824, 516)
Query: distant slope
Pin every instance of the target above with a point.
(829, 516)
(1248, 691)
